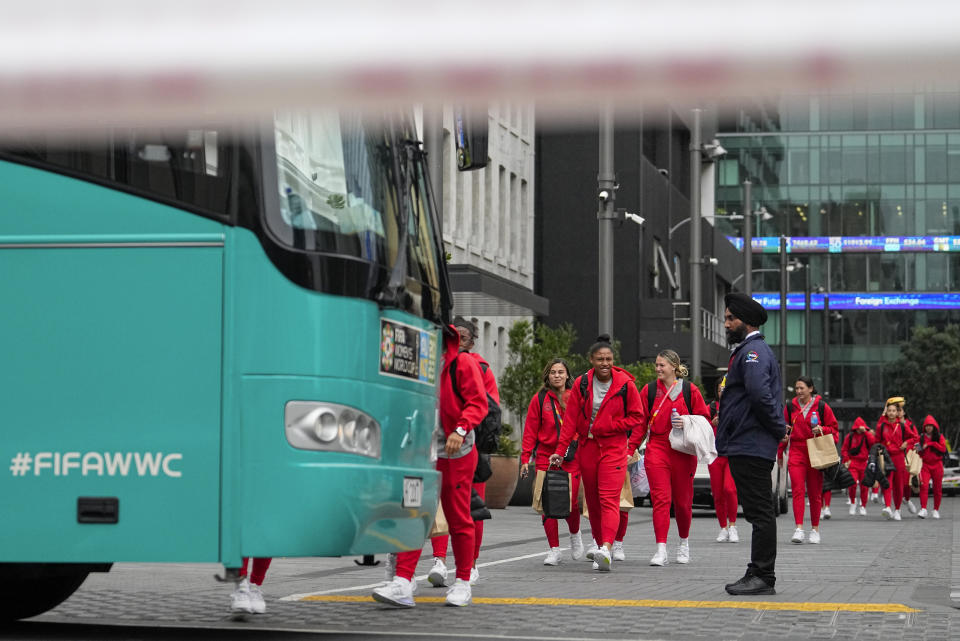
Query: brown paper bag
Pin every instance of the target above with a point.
(440, 527)
(822, 451)
(914, 463)
(626, 494)
(537, 489)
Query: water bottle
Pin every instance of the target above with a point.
(814, 421)
(674, 415)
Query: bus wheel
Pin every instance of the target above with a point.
(28, 589)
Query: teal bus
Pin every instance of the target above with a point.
(215, 345)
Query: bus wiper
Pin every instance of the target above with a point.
(394, 293)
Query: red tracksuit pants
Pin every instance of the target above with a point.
(857, 471)
(456, 481)
(929, 472)
(898, 478)
(551, 527)
(671, 481)
(724, 491)
(439, 543)
(258, 569)
(603, 466)
(804, 479)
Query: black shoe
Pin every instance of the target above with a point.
(746, 577)
(750, 585)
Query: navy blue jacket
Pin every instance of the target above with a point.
(751, 410)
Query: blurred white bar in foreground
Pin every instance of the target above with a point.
(82, 63)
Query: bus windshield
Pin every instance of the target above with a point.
(340, 181)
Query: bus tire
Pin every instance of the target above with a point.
(29, 589)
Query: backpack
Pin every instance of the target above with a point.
(488, 431)
(851, 451)
(684, 389)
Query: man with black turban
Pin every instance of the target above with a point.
(751, 425)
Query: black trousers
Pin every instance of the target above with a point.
(751, 475)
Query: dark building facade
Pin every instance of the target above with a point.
(651, 288)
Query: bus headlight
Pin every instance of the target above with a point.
(331, 427)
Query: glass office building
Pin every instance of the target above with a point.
(867, 186)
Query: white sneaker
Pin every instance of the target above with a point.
(936, 514)
(603, 559)
(825, 512)
(853, 509)
(592, 552)
(724, 535)
(553, 557)
(596, 566)
(734, 535)
(460, 594)
(887, 512)
(390, 567)
(257, 604)
(875, 497)
(896, 515)
(438, 573)
(660, 558)
(797, 536)
(922, 513)
(475, 574)
(398, 592)
(911, 506)
(576, 546)
(240, 599)
(849, 502)
(814, 537)
(862, 511)
(618, 553)
(683, 551)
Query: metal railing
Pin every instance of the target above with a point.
(711, 325)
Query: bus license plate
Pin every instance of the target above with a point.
(412, 492)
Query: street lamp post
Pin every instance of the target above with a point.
(826, 345)
(806, 322)
(783, 312)
(606, 214)
(747, 238)
(696, 257)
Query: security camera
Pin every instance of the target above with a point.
(713, 260)
(604, 195)
(714, 150)
(663, 172)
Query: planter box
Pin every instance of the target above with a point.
(500, 486)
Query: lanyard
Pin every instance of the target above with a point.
(558, 420)
(662, 400)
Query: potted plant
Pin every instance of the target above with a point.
(506, 472)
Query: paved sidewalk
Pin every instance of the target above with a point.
(904, 570)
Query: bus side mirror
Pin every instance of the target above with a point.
(470, 125)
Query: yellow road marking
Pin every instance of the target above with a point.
(649, 603)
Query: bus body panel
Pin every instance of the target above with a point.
(111, 374)
(320, 348)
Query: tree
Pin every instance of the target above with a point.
(926, 374)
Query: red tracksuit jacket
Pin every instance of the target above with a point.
(893, 435)
(933, 454)
(801, 425)
(661, 422)
(541, 430)
(854, 440)
(613, 418)
(473, 409)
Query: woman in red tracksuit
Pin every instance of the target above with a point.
(599, 419)
(670, 472)
(456, 464)
(541, 431)
(932, 446)
(438, 573)
(895, 436)
(803, 420)
(722, 487)
(854, 454)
